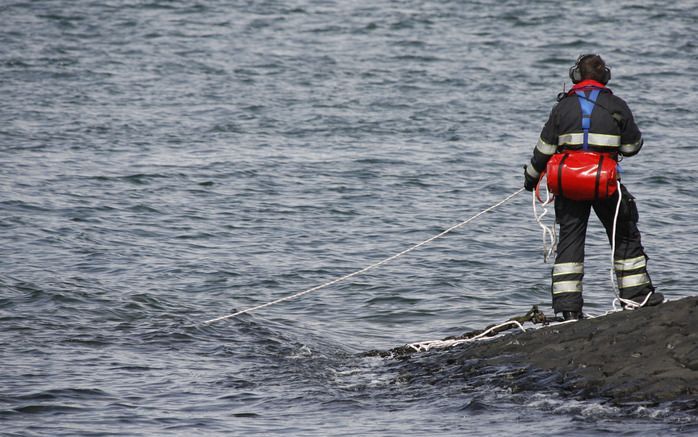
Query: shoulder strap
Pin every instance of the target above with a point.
(587, 105)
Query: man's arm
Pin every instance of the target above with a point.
(545, 148)
(630, 136)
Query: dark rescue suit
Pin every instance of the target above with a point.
(610, 129)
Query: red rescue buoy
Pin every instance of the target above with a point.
(580, 175)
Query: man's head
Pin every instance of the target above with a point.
(590, 67)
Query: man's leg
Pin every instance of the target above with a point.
(630, 261)
(568, 271)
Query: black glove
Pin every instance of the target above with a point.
(529, 181)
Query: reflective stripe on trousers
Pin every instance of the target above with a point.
(633, 280)
(624, 265)
(567, 277)
(632, 272)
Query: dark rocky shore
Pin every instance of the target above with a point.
(648, 355)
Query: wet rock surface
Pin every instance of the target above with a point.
(646, 355)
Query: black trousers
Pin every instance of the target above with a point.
(630, 261)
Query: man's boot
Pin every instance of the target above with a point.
(572, 315)
(654, 299)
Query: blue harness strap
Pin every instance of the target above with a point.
(587, 105)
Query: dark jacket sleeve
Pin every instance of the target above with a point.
(546, 145)
(630, 136)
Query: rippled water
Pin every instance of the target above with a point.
(164, 163)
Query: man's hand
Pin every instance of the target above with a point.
(529, 181)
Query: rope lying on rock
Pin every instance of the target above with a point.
(534, 315)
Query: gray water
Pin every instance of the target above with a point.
(167, 162)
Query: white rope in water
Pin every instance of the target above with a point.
(424, 346)
(372, 266)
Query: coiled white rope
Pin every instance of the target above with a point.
(372, 266)
(549, 236)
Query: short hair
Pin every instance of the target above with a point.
(593, 67)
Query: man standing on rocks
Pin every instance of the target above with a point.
(587, 131)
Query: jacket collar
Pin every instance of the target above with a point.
(585, 84)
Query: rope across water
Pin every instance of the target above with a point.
(370, 267)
